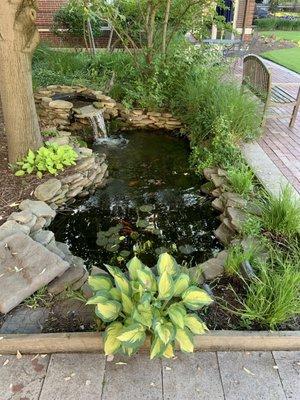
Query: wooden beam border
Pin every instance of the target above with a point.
(86, 342)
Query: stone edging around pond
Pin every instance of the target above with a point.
(92, 342)
(61, 114)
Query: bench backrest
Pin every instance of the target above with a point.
(256, 76)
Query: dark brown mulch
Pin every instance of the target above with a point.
(262, 44)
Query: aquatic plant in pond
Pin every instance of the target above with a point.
(151, 204)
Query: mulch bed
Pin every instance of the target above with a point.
(270, 43)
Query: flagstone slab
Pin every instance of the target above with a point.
(133, 378)
(74, 377)
(25, 267)
(250, 375)
(288, 363)
(192, 376)
(22, 377)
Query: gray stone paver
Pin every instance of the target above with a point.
(74, 377)
(192, 376)
(198, 376)
(288, 364)
(22, 379)
(135, 378)
(250, 376)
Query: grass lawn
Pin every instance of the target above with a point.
(292, 36)
(289, 58)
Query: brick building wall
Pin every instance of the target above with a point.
(47, 8)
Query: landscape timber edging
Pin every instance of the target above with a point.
(91, 342)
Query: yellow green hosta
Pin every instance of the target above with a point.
(166, 263)
(195, 298)
(139, 303)
(195, 325)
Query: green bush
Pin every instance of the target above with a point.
(145, 303)
(281, 215)
(50, 158)
(281, 24)
(241, 179)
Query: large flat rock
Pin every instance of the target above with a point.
(25, 267)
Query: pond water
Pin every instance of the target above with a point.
(151, 204)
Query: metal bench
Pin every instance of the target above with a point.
(257, 78)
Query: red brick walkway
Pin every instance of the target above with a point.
(279, 142)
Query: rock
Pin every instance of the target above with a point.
(218, 205)
(97, 271)
(222, 172)
(75, 192)
(87, 291)
(214, 267)
(207, 188)
(234, 200)
(61, 104)
(77, 285)
(43, 237)
(48, 189)
(84, 164)
(25, 321)
(54, 249)
(24, 217)
(25, 267)
(71, 178)
(207, 172)
(38, 208)
(11, 227)
(40, 223)
(60, 140)
(224, 234)
(61, 283)
(84, 152)
(64, 248)
(217, 192)
(237, 218)
(217, 180)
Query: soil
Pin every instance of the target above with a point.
(262, 44)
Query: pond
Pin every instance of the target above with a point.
(152, 203)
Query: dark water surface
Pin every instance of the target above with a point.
(146, 169)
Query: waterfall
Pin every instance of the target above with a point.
(98, 124)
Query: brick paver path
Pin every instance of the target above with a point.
(279, 142)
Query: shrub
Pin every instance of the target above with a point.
(145, 303)
(281, 215)
(283, 24)
(273, 298)
(241, 179)
(50, 158)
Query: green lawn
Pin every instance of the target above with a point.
(292, 36)
(289, 58)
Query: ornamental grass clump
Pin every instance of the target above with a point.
(161, 306)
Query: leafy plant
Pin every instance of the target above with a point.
(281, 215)
(241, 179)
(50, 158)
(49, 133)
(145, 303)
(283, 24)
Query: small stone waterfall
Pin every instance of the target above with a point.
(98, 124)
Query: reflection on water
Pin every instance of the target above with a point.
(152, 202)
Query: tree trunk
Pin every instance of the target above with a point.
(165, 27)
(18, 39)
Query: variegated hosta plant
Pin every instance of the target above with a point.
(142, 303)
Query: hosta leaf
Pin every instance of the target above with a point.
(133, 266)
(121, 281)
(195, 325)
(143, 314)
(195, 298)
(108, 310)
(115, 294)
(177, 313)
(166, 263)
(169, 352)
(111, 343)
(133, 335)
(126, 304)
(100, 282)
(185, 340)
(165, 286)
(20, 173)
(99, 297)
(165, 331)
(157, 348)
(147, 279)
(181, 283)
